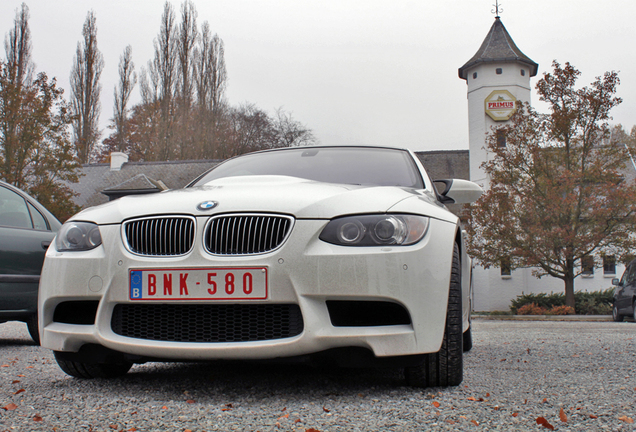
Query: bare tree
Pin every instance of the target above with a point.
(127, 82)
(291, 132)
(86, 89)
(17, 46)
(211, 75)
(187, 38)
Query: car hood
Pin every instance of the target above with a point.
(276, 194)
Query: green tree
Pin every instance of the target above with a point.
(35, 150)
(561, 190)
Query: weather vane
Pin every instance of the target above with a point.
(498, 9)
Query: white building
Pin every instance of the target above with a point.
(497, 76)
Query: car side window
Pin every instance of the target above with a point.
(39, 221)
(631, 277)
(13, 210)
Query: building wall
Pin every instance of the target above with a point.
(494, 292)
(479, 123)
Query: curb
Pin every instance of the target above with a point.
(592, 318)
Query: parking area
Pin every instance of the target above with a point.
(573, 375)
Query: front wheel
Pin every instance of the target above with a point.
(616, 316)
(32, 326)
(80, 369)
(445, 367)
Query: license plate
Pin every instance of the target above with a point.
(215, 283)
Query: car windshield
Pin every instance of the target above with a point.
(359, 166)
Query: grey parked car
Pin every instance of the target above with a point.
(26, 231)
(625, 294)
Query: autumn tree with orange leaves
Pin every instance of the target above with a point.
(563, 188)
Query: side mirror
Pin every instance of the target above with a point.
(458, 191)
(615, 281)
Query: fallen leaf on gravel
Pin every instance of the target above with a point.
(325, 410)
(284, 416)
(592, 416)
(37, 418)
(164, 407)
(474, 422)
(297, 421)
(450, 421)
(21, 376)
(19, 391)
(134, 429)
(545, 400)
(10, 407)
(113, 426)
(190, 401)
(543, 422)
(562, 416)
(487, 394)
(311, 430)
(626, 419)
(515, 414)
(17, 381)
(436, 404)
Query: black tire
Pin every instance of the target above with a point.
(634, 311)
(445, 367)
(468, 340)
(92, 370)
(32, 326)
(616, 316)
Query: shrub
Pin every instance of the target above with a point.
(560, 310)
(531, 309)
(585, 303)
(546, 301)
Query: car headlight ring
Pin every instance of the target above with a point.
(78, 236)
(375, 230)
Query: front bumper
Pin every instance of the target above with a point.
(305, 271)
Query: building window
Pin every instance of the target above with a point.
(505, 267)
(501, 138)
(587, 265)
(499, 71)
(474, 75)
(609, 265)
(523, 72)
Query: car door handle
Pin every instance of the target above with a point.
(46, 244)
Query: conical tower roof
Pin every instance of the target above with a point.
(498, 47)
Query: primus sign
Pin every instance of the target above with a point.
(500, 105)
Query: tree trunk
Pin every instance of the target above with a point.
(569, 284)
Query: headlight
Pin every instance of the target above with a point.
(78, 236)
(375, 230)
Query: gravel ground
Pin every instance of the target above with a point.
(516, 373)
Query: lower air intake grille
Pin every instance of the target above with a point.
(207, 323)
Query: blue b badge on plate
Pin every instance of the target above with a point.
(135, 284)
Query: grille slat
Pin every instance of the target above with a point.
(207, 323)
(162, 236)
(246, 234)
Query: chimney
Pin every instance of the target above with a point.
(117, 159)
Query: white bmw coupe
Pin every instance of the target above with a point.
(340, 253)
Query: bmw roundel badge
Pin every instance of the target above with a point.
(207, 205)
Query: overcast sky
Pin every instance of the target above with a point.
(378, 72)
